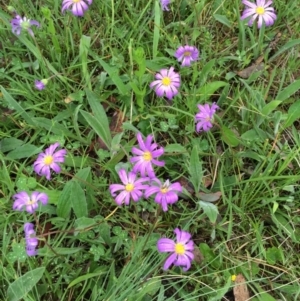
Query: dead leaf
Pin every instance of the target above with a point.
(198, 257)
(247, 72)
(240, 290)
(210, 197)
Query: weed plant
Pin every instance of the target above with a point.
(83, 85)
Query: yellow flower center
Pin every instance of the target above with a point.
(233, 277)
(179, 249)
(164, 190)
(166, 81)
(260, 10)
(76, 1)
(187, 53)
(147, 156)
(30, 202)
(129, 187)
(48, 160)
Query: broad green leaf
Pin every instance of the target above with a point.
(195, 169)
(12, 103)
(24, 151)
(274, 255)
(8, 144)
(82, 175)
(78, 200)
(229, 137)
(207, 90)
(84, 222)
(64, 203)
(99, 113)
(293, 114)
(210, 210)
(98, 127)
(270, 107)
(175, 148)
(289, 90)
(20, 287)
(222, 19)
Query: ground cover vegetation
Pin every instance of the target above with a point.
(149, 150)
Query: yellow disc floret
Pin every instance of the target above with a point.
(48, 160)
(30, 202)
(260, 10)
(187, 53)
(129, 187)
(147, 156)
(179, 249)
(164, 189)
(166, 81)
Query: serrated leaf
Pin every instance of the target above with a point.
(195, 169)
(210, 210)
(20, 287)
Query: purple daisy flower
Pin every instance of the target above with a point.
(30, 239)
(19, 23)
(166, 193)
(261, 10)
(40, 84)
(145, 156)
(186, 54)
(132, 188)
(30, 203)
(164, 4)
(48, 160)
(78, 7)
(182, 249)
(166, 83)
(205, 116)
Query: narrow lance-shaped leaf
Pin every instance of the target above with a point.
(195, 169)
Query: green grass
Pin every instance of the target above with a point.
(98, 98)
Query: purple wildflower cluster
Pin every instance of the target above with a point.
(147, 184)
(167, 84)
(142, 182)
(23, 201)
